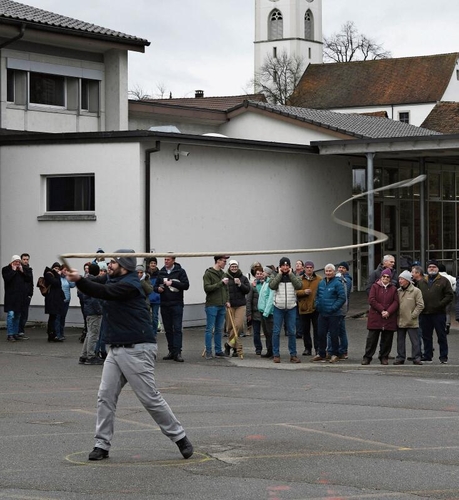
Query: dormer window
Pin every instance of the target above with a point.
(309, 26)
(275, 25)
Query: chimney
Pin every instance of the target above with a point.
(198, 94)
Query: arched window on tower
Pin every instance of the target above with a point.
(309, 25)
(275, 25)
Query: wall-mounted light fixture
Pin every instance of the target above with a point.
(178, 153)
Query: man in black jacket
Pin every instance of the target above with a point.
(171, 283)
(131, 356)
(25, 260)
(16, 281)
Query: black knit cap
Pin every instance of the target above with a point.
(285, 261)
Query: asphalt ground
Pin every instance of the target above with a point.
(260, 430)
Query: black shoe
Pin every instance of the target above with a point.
(98, 454)
(21, 336)
(178, 358)
(94, 361)
(269, 354)
(307, 352)
(227, 349)
(168, 357)
(220, 354)
(184, 445)
(57, 339)
(82, 360)
(234, 355)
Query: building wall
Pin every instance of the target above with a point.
(452, 91)
(418, 112)
(225, 200)
(263, 127)
(119, 206)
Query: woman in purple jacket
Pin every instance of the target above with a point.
(382, 318)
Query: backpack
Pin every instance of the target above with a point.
(41, 284)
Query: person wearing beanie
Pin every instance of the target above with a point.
(306, 307)
(382, 318)
(171, 284)
(16, 283)
(284, 284)
(131, 356)
(411, 305)
(437, 294)
(92, 308)
(154, 297)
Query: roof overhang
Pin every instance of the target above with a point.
(444, 147)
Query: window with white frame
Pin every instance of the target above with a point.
(404, 116)
(70, 193)
(275, 25)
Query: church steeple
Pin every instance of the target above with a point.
(293, 26)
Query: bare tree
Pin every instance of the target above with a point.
(350, 45)
(138, 94)
(278, 77)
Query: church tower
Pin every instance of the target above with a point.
(293, 26)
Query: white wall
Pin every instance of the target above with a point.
(263, 127)
(452, 91)
(223, 200)
(119, 180)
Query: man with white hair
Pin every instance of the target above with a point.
(330, 300)
(388, 262)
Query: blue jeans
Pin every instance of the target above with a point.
(289, 317)
(172, 315)
(429, 323)
(342, 339)
(256, 328)
(155, 317)
(12, 323)
(332, 325)
(215, 319)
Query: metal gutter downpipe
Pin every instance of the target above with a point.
(371, 209)
(422, 213)
(17, 37)
(147, 194)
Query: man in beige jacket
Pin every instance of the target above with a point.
(411, 305)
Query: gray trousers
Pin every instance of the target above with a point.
(415, 344)
(135, 365)
(92, 335)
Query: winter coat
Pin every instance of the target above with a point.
(237, 293)
(91, 305)
(125, 315)
(154, 297)
(216, 291)
(252, 301)
(382, 298)
(306, 302)
(410, 307)
(330, 297)
(16, 289)
(437, 294)
(266, 299)
(285, 286)
(172, 295)
(54, 299)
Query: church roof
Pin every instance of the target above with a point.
(221, 103)
(355, 125)
(42, 19)
(444, 118)
(381, 82)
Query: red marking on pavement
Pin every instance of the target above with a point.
(278, 488)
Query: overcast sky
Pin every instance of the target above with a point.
(208, 44)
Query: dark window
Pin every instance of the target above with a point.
(404, 117)
(47, 89)
(10, 85)
(70, 194)
(275, 26)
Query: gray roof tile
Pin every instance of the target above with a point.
(357, 125)
(16, 11)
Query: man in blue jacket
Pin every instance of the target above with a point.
(131, 356)
(330, 298)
